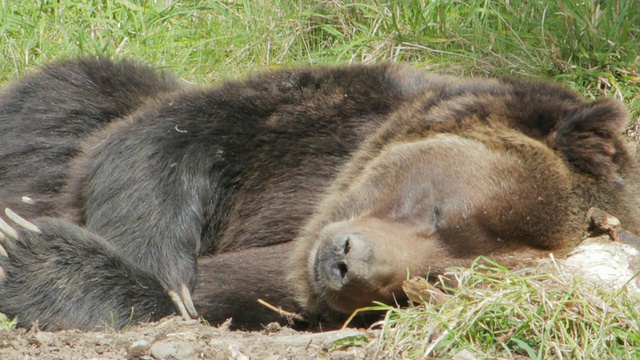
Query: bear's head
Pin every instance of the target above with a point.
(482, 172)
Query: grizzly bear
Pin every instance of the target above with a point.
(315, 189)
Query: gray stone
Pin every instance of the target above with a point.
(138, 349)
(172, 349)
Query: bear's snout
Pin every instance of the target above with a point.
(344, 260)
(361, 261)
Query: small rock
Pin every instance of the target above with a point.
(172, 350)
(138, 349)
(271, 328)
(236, 354)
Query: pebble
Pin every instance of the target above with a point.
(236, 354)
(172, 350)
(138, 349)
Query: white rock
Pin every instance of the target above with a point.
(605, 263)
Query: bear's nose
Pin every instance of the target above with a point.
(341, 245)
(335, 266)
(345, 259)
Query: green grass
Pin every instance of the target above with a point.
(591, 45)
(541, 313)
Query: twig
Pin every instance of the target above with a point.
(287, 314)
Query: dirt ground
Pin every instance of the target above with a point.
(174, 338)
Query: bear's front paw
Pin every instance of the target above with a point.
(63, 276)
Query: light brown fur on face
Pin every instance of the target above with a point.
(422, 206)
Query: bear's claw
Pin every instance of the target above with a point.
(184, 303)
(7, 230)
(21, 221)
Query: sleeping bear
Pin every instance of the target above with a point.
(131, 196)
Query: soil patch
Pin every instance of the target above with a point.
(174, 338)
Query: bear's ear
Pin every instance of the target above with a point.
(589, 137)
